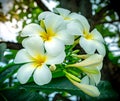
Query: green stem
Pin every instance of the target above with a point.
(72, 76)
(75, 43)
(6, 67)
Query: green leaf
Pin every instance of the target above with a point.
(17, 94)
(57, 73)
(105, 31)
(114, 59)
(2, 49)
(8, 71)
(64, 85)
(57, 84)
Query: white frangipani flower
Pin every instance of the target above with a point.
(52, 32)
(92, 41)
(70, 19)
(73, 24)
(36, 61)
(78, 25)
(69, 16)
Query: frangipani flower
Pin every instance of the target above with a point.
(73, 24)
(65, 13)
(68, 16)
(52, 32)
(70, 19)
(78, 25)
(92, 41)
(91, 66)
(66, 37)
(36, 61)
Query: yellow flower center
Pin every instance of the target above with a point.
(67, 18)
(47, 36)
(87, 35)
(39, 60)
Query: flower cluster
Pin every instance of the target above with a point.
(45, 46)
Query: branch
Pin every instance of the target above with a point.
(110, 22)
(42, 5)
(96, 19)
(99, 15)
(12, 45)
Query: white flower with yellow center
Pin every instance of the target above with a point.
(52, 32)
(70, 19)
(78, 25)
(36, 61)
(91, 41)
(73, 24)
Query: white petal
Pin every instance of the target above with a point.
(62, 11)
(34, 45)
(100, 48)
(85, 80)
(56, 59)
(88, 45)
(93, 60)
(54, 46)
(25, 72)
(97, 36)
(43, 15)
(22, 57)
(99, 67)
(66, 37)
(42, 75)
(95, 76)
(82, 19)
(88, 89)
(31, 30)
(54, 22)
(75, 27)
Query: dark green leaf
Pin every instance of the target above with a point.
(62, 84)
(58, 84)
(17, 94)
(8, 71)
(2, 49)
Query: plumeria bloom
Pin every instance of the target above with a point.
(53, 33)
(36, 61)
(91, 66)
(78, 25)
(92, 41)
(65, 13)
(68, 38)
(73, 24)
(70, 19)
